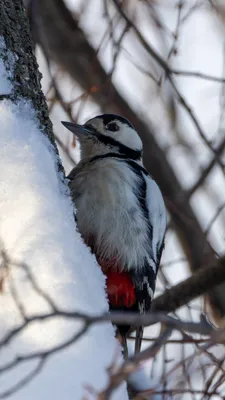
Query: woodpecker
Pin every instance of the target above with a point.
(120, 212)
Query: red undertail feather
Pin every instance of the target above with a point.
(120, 289)
(119, 285)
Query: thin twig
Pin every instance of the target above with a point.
(196, 74)
(130, 365)
(23, 382)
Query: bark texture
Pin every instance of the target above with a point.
(14, 29)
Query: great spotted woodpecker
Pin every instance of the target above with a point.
(120, 211)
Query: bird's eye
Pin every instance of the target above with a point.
(113, 127)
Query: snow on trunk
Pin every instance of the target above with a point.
(37, 227)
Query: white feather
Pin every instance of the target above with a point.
(157, 214)
(109, 211)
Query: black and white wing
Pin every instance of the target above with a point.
(155, 215)
(157, 218)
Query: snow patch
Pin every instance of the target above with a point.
(37, 227)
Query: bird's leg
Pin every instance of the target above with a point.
(138, 339)
(122, 337)
(125, 348)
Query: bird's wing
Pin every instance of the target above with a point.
(157, 217)
(145, 279)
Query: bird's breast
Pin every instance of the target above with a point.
(108, 212)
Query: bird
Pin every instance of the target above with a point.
(120, 212)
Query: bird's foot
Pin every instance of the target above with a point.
(138, 339)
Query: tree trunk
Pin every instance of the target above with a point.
(48, 266)
(14, 29)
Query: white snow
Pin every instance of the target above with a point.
(139, 380)
(37, 227)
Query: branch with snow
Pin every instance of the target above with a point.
(84, 322)
(116, 373)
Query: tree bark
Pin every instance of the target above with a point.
(14, 29)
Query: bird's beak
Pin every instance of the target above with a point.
(77, 129)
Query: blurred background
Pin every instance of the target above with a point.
(161, 64)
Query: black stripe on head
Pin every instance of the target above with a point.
(122, 148)
(109, 141)
(112, 117)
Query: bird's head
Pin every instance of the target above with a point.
(107, 133)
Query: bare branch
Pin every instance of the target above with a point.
(206, 171)
(33, 282)
(195, 74)
(23, 382)
(167, 71)
(130, 365)
(198, 284)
